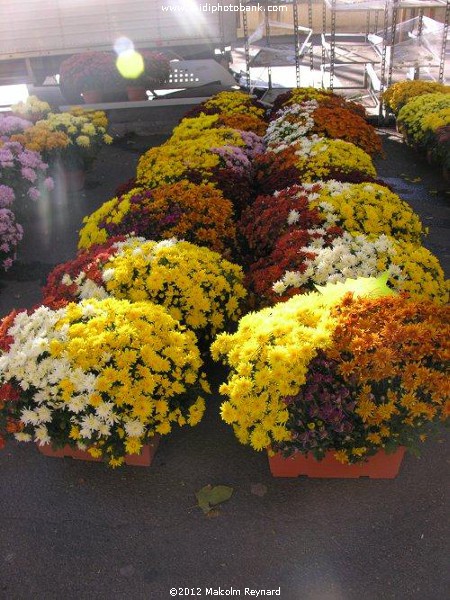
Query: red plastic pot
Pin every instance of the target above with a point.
(379, 466)
(144, 459)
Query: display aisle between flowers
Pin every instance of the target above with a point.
(297, 382)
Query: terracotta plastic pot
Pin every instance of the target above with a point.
(136, 94)
(144, 459)
(92, 96)
(379, 466)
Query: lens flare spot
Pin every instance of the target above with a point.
(130, 64)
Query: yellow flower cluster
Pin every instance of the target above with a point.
(197, 286)
(96, 117)
(327, 156)
(415, 117)
(421, 276)
(41, 138)
(269, 357)
(195, 127)
(434, 120)
(80, 129)
(233, 103)
(115, 374)
(145, 364)
(86, 134)
(400, 93)
(31, 107)
(113, 210)
(303, 94)
(369, 208)
(168, 163)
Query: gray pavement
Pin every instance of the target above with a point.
(71, 530)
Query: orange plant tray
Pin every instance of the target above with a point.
(144, 459)
(379, 466)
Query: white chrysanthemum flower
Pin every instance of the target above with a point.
(292, 278)
(83, 383)
(89, 424)
(66, 279)
(77, 404)
(108, 274)
(134, 428)
(41, 435)
(167, 243)
(279, 287)
(60, 369)
(326, 206)
(105, 412)
(317, 230)
(293, 217)
(29, 417)
(80, 278)
(44, 414)
(397, 272)
(21, 436)
(335, 277)
(89, 289)
(104, 429)
(315, 243)
(308, 272)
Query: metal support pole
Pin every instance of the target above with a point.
(324, 30)
(246, 50)
(444, 42)
(420, 27)
(333, 42)
(269, 68)
(297, 45)
(393, 28)
(383, 57)
(310, 25)
(419, 35)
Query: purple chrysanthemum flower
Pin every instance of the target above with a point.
(6, 196)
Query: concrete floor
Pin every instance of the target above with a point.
(73, 530)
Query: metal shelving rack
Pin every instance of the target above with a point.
(268, 49)
(401, 5)
(392, 23)
(367, 61)
(376, 49)
(352, 49)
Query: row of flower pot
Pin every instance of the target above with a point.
(102, 76)
(379, 466)
(40, 150)
(422, 111)
(330, 370)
